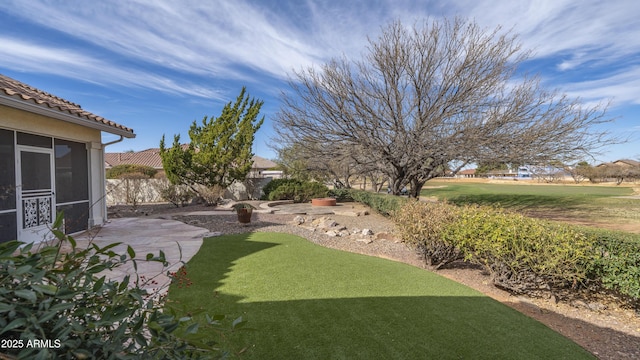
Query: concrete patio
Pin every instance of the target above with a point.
(179, 242)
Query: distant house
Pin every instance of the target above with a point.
(51, 160)
(262, 168)
(467, 173)
(151, 157)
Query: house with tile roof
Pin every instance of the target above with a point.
(51, 160)
(151, 157)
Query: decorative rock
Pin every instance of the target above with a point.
(329, 224)
(298, 220)
(344, 233)
(365, 240)
(319, 221)
(596, 306)
(331, 233)
(367, 232)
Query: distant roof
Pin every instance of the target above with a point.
(262, 163)
(628, 162)
(623, 162)
(151, 157)
(21, 96)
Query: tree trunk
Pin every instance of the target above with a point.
(416, 188)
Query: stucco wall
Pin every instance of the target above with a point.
(13, 119)
(148, 190)
(19, 120)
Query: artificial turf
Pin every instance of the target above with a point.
(309, 302)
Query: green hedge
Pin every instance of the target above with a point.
(618, 264)
(524, 255)
(341, 195)
(276, 183)
(299, 192)
(384, 204)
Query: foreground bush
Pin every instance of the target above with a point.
(59, 299)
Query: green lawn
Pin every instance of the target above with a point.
(599, 203)
(310, 302)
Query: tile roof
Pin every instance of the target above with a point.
(151, 157)
(16, 90)
(627, 162)
(262, 163)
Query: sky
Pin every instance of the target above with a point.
(158, 65)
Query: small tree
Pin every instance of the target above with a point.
(220, 149)
(579, 172)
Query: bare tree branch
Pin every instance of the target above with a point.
(423, 97)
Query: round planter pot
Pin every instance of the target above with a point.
(323, 202)
(244, 216)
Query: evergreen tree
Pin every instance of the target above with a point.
(220, 148)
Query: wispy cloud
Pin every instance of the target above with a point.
(246, 39)
(621, 87)
(29, 56)
(198, 37)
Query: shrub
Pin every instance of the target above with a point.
(420, 225)
(210, 195)
(524, 255)
(178, 195)
(341, 195)
(118, 171)
(300, 192)
(62, 297)
(384, 204)
(618, 264)
(276, 183)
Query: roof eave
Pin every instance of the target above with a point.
(49, 112)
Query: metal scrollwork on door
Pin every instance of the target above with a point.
(36, 211)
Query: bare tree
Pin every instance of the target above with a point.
(424, 97)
